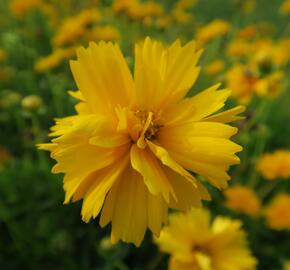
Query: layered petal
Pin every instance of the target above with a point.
(103, 77)
(197, 107)
(130, 206)
(144, 161)
(203, 148)
(164, 75)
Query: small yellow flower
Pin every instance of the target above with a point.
(273, 54)
(285, 7)
(243, 199)
(31, 102)
(106, 33)
(181, 16)
(163, 22)
(21, 7)
(242, 80)
(4, 156)
(73, 28)
(214, 67)
(247, 32)
(212, 30)
(277, 214)
(270, 85)
(138, 10)
(3, 55)
(128, 150)
(53, 60)
(275, 165)
(194, 242)
(239, 48)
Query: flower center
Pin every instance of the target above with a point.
(140, 125)
(148, 122)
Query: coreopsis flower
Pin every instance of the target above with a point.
(129, 150)
(271, 85)
(5, 156)
(194, 242)
(137, 10)
(277, 213)
(239, 48)
(31, 102)
(248, 32)
(3, 55)
(243, 199)
(54, 59)
(106, 33)
(20, 8)
(242, 80)
(265, 51)
(74, 27)
(285, 7)
(212, 30)
(275, 165)
(214, 67)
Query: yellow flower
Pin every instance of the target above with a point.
(275, 165)
(184, 4)
(265, 51)
(242, 81)
(4, 156)
(106, 33)
(54, 59)
(243, 199)
(3, 54)
(31, 102)
(239, 48)
(137, 10)
(163, 22)
(210, 31)
(181, 16)
(195, 243)
(180, 13)
(277, 214)
(128, 149)
(74, 27)
(270, 85)
(214, 67)
(248, 32)
(285, 7)
(20, 8)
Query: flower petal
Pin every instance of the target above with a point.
(163, 76)
(228, 115)
(150, 168)
(165, 158)
(93, 73)
(96, 186)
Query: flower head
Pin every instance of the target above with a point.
(275, 165)
(212, 30)
(21, 8)
(195, 243)
(129, 150)
(277, 213)
(215, 67)
(243, 199)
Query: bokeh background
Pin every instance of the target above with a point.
(247, 48)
